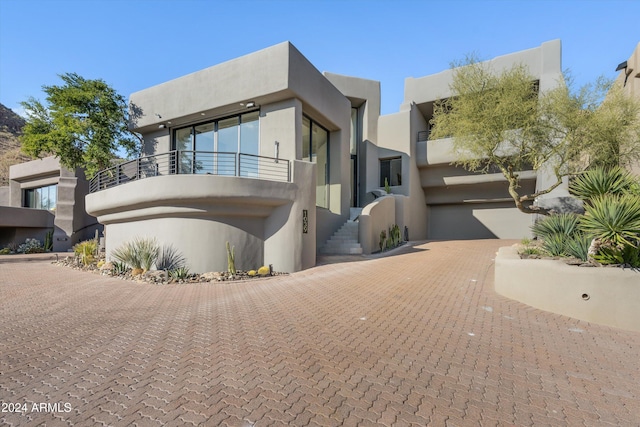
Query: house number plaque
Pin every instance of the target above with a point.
(305, 221)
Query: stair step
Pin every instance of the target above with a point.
(345, 240)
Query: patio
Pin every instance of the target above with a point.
(418, 338)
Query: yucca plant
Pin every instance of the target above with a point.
(139, 254)
(613, 218)
(564, 223)
(578, 246)
(599, 181)
(169, 258)
(555, 244)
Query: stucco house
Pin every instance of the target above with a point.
(275, 157)
(629, 80)
(44, 196)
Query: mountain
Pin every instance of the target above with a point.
(11, 126)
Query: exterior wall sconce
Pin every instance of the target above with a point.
(276, 149)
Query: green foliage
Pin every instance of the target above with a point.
(565, 223)
(555, 244)
(86, 251)
(599, 181)
(30, 246)
(180, 273)
(611, 253)
(5, 251)
(48, 241)
(264, 271)
(119, 268)
(83, 122)
(231, 259)
(169, 258)
(383, 239)
(140, 253)
(531, 250)
(526, 241)
(578, 246)
(499, 120)
(612, 218)
(387, 188)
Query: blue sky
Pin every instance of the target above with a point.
(135, 44)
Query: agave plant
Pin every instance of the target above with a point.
(564, 223)
(180, 273)
(599, 181)
(140, 253)
(612, 218)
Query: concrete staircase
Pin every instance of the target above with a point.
(345, 240)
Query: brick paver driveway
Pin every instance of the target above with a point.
(414, 339)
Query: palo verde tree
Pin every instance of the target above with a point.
(502, 120)
(83, 122)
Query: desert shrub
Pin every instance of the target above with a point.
(531, 250)
(169, 258)
(614, 221)
(5, 251)
(578, 246)
(564, 223)
(180, 273)
(264, 271)
(139, 254)
(613, 218)
(119, 268)
(612, 253)
(600, 181)
(30, 246)
(555, 244)
(86, 251)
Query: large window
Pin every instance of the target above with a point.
(315, 148)
(391, 170)
(41, 197)
(212, 147)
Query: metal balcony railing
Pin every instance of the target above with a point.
(193, 163)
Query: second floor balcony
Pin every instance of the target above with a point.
(180, 162)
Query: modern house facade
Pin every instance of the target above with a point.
(44, 196)
(271, 155)
(629, 80)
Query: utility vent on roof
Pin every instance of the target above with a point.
(423, 135)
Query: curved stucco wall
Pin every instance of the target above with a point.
(197, 214)
(200, 240)
(376, 216)
(608, 296)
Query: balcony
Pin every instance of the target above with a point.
(180, 162)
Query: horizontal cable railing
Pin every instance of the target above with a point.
(192, 162)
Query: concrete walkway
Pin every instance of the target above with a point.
(419, 338)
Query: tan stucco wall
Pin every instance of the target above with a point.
(608, 296)
(379, 215)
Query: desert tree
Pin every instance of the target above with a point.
(504, 120)
(83, 122)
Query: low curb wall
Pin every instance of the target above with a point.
(608, 296)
